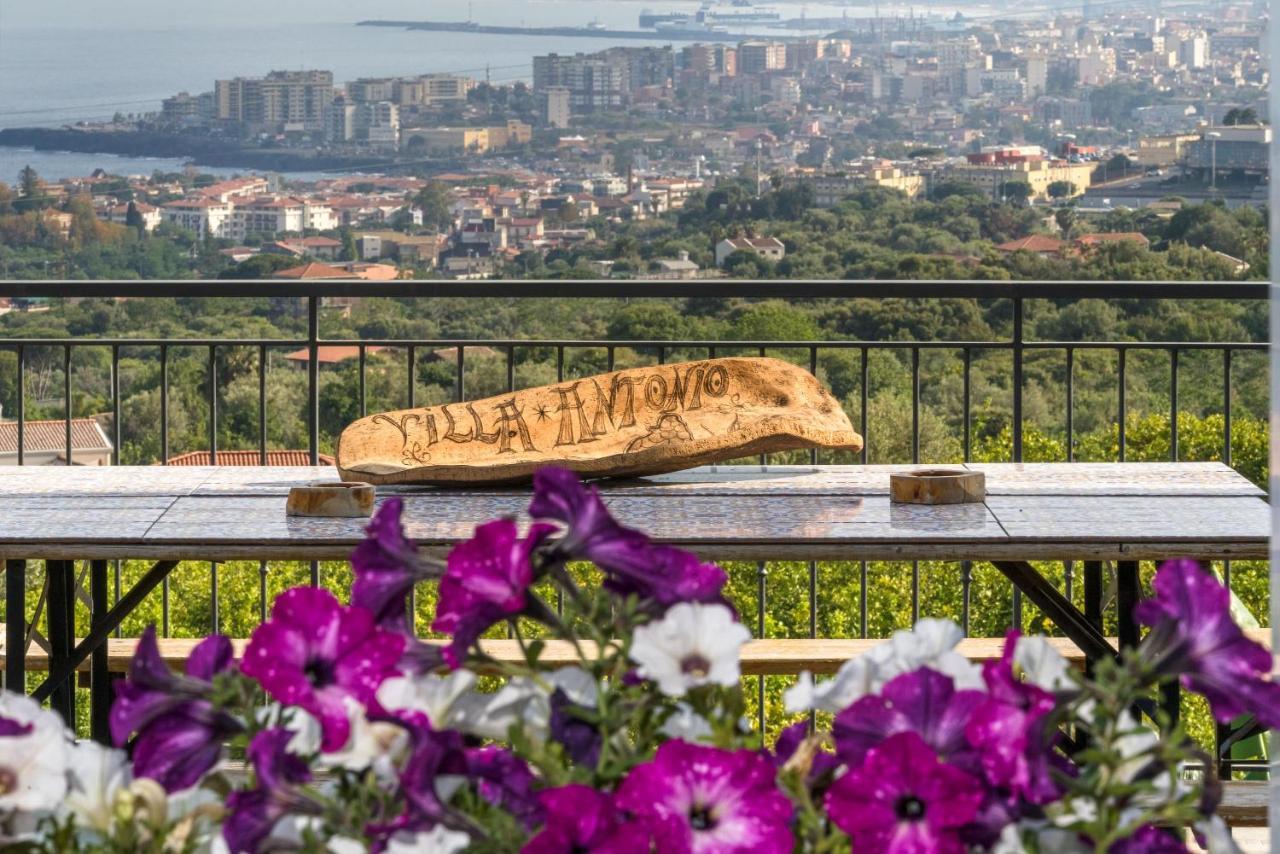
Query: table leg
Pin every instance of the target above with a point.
(1128, 594)
(1057, 607)
(61, 608)
(1093, 593)
(64, 671)
(15, 641)
(100, 693)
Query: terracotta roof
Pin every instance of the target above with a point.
(1033, 243)
(315, 271)
(86, 435)
(1113, 237)
(333, 354)
(249, 458)
(313, 242)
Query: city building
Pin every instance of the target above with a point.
(596, 83)
(280, 101)
(555, 106)
(769, 248)
(204, 216)
(757, 57)
(994, 170)
(831, 188)
(445, 140)
(1235, 148)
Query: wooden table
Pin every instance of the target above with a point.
(1079, 511)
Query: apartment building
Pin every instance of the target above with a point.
(831, 188)
(718, 59)
(595, 83)
(280, 101)
(555, 106)
(757, 57)
(993, 171)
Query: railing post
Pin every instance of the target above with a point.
(313, 378)
(15, 615)
(1017, 379)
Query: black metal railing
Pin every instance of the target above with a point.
(1016, 344)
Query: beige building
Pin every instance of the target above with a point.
(831, 188)
(1165, 149)
(1039, 174)
(514, 132)
(446, 140)
(769, 248)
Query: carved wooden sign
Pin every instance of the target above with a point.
(632, 422)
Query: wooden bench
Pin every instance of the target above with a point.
(765, 657)
(1244, 804)
(769, 657)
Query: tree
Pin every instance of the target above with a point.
(947, 189)
(1061, 190)
(133, 219)
(1017, 192)
(433, 200)
(32, 195)
(262, 266)
(1240, 116)
(6, 199)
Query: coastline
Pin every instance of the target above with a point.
(199, 150)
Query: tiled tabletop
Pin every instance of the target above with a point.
(1077, 510)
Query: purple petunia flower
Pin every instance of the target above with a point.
(789, 741)
(1149, 839)
(631, 562)
(179, 732)
(486, 581)
(578, 818)
(1192, 634)
(432, 754)
(695, 798)
(505, 781)
(581, 741)
(1010, 731)
(314, 653)
(923, 701)
(387, 565)
(902, 800)
(253, 813)
(177, 748)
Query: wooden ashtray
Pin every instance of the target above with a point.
(938, 486)
(332, 498)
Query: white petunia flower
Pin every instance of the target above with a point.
(371, 744)
(692, 645)
(434, 696)
(33, 765)
(1217, 836)
(438, 840)
(930, 644)
(524, 702)
(1047, 839)
(97, 776)
(1042, 665)
(686, 724)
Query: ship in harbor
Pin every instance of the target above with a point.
(708, 16)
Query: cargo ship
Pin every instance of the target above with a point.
(710, 15)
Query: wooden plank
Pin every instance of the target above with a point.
(1147, 479)
(1132, 519)
(769, 657)
(1244, 803)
